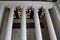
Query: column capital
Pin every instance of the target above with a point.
(36, 9)
(24, 8)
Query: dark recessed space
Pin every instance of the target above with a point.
(29, 13)
(18, 13)
(41, 13)
(30, 25)
(42, 25)
(16, 25)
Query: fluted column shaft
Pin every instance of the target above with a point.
(9, 25)
(1, 15)
(23, 25)
(37, 25)
(50, 25)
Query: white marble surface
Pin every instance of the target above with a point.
(27, 3)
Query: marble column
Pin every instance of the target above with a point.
(57, 11)
(9, 25)
(50, 25)
(37, 25)
(1, 14)
(23, 25)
